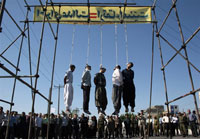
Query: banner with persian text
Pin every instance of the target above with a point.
(97, 14)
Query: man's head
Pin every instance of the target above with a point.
(117, 67)
(88, 67)
(1, 109)
(82, 115)
(102, 70)
(75, 116)
(23, 114)
(130, 65)
(72, 67)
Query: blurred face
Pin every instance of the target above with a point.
(23, 114)
(73, 69)
(89, 68)
(1, 110)
(102, 70)
(129, 66)
(75, 116)
(7, 112)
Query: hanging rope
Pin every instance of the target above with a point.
(126, 41)
(88, 49)
(101, 51)
(116, 47)
(72, 49)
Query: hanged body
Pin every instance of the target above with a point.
(117, 80)
(100, 91)
(68, 88)
(129, 87)
(86, 85)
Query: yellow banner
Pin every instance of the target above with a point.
(97, 14)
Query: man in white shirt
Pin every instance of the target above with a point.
(117, 81)
(174, 122)
(165, 121)
(68, 88)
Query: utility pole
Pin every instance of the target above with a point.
(2, 4)
(58, 87)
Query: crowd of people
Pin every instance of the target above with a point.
(68, 126)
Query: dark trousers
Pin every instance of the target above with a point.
(116, 97)
(193, 128)
(37, 132)
(86, 97)
(127, 131)
(129, 95)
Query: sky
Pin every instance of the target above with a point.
(139, 52)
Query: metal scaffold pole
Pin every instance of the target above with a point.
(2, 3)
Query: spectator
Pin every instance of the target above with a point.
(192, 122)
(142, 124)
(118, 127)
(23, 128)
(156, 126)
(165, 121)
(38, 125)
(84, 126)
(100, 126)
(44, 125)
(161, 125)
(2, 116)
(174, 124)
(127, 123)
(75, 125)
(69, 126)
(149, 122)
(4, 124)
(58, 126)
(183, 124)
(64, 125)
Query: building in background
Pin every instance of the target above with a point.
(173, 109)
(155, 110)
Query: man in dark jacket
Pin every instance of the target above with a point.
(127, 123)
(129, 87)
(84, 126)
(100, 91)
(86, 85)
(75, 125)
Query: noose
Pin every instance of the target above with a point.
(116, 44)
(101, 47)
(126, 42)
(72, 49)
(88, 49)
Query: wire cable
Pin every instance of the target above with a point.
(72, 49)
(88, 49)
(116, 47)
(34, 35)
(101, 51)
(23, 52)
(126, 41)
